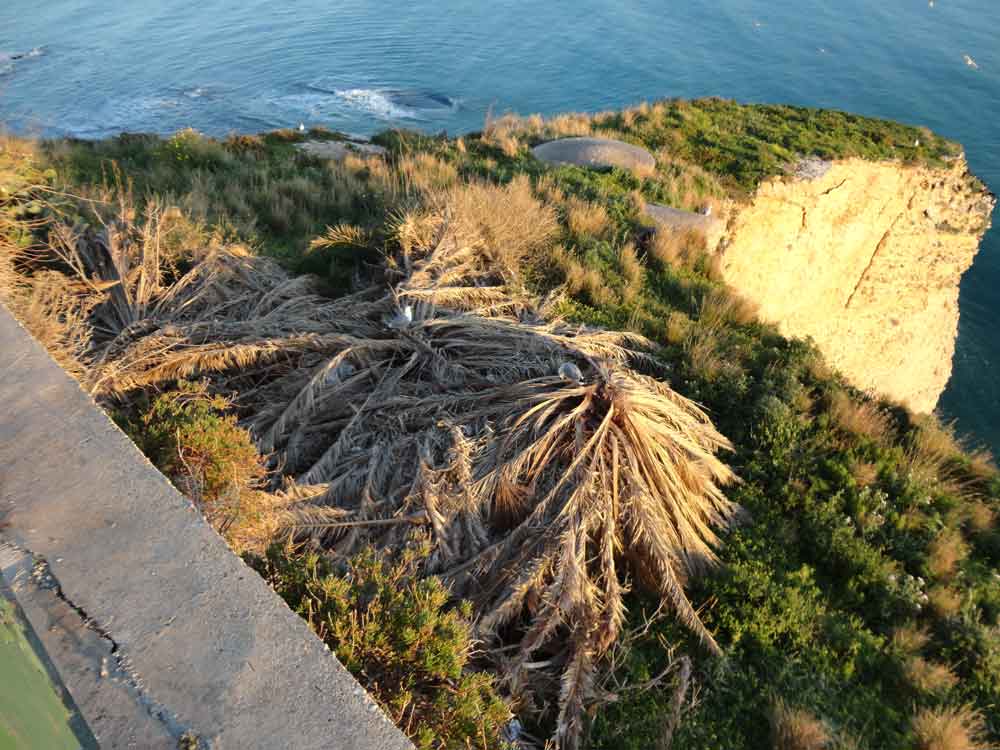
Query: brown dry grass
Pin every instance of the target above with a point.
(862, 418)
(945, 602)
(865, 473)
(950, 728)
(632, 270)
(721, 306)
(426, 173)
(982, 465)
(796, 729)
(910, 639)
(586, 219)
(701, 345)
(934, 459)
(929, 676)
(945, 552)
(549, 190)
(677, 327)
(476, 234)
(678, 248)
(581, 279)
(979, 516)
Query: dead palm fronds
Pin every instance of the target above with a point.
(441, 402)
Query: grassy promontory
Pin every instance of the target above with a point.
(854, 601)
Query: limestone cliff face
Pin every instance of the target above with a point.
(865, 258)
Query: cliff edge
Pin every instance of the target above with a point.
(866, 258)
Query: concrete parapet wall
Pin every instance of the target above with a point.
(156, 628)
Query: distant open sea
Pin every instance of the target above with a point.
(93, 69)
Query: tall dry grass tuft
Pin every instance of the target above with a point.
(944, 602)
(473, 235)
(934, 459)
(862, 418)
(678, 248)
(55, 310)
(504, 133)
(701, 345)
(796, 729)
(982, 465)
(865, 473)
(950, 728)
(721, 306)
(581, 279)
(18, 176)
(922, 674)
(425, 173)
(979, 516)
(929, 676)
(510, 128)
(586, 219)
(945, 552)
(632, 269)
(910, 639)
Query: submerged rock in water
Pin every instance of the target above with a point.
(594, 152)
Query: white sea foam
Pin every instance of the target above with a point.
(8, 59)
(376, 102)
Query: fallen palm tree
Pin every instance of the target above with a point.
(546, 472)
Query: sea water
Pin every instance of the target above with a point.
(93, 69)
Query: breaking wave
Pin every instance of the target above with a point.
(377, 103)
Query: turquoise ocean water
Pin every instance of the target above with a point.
(92, 69)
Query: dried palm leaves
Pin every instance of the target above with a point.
(545, 471)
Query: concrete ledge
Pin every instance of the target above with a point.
(601, 153)
(156, 628)
(677, 220)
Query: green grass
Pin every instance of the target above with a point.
(744, 144)
(258, 190)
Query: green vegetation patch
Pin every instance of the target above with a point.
(746, 143)
(398, 635)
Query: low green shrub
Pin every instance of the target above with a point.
(394, 631)
(187, 434)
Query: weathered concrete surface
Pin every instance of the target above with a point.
(196, 640)
(595, 152)
(337, 150)
(675, 220)
(678, 220)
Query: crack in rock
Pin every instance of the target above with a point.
(835, 187)
(871, 261)
(44, 579)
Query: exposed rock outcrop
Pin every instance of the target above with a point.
(595, 152)
(675, 220)
(866, 258)
(338, 150)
